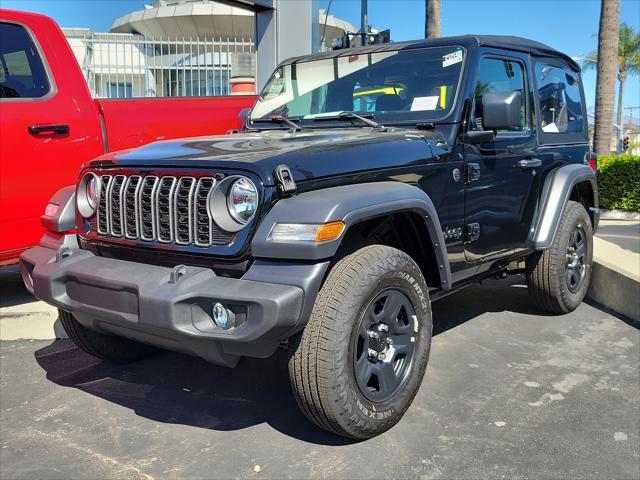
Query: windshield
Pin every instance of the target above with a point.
(402, 85)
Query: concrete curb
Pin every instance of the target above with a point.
(619, 215)
(612, 285)
(22, 317)
(40, 325)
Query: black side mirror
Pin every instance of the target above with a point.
(242, 119)
(501, 110)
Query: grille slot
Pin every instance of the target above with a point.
(103, 212)
(183, 210)
(146, 203)
(114, 197)
(131, 224)
(165, 209)
(203, 220)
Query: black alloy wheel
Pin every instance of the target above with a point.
(384, 345)
(576, 252)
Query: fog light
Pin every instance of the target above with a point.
(221, 316)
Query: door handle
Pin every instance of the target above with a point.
(530, 163)
(60, 129)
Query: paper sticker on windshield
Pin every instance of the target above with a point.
(424, 103)
(451, 58)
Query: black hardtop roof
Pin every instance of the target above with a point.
(497, 41)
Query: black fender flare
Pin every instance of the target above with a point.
(555, 194)
(350, 204)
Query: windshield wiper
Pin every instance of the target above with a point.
(280, 119)
(367, 119)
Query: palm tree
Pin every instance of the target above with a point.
(628, 61)
(432, 21)
(606, 81)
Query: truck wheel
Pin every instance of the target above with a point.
(106, 347)
(358, 363)
(558, 278)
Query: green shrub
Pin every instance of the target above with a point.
(619, 182)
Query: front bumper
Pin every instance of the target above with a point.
(170, 307)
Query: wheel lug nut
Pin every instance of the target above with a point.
(372, 353)
(389, 341)
(384, 327)
(373, 334)
(381, 356)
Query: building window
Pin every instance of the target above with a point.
(196, 83)
(119, 90)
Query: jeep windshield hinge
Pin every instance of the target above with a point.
(286, 184)
(473, 232)
(472, 172)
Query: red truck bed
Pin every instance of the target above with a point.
(158, 119)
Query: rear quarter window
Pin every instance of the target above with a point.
(560, 103)
(22, 73)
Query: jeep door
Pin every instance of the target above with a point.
(502, 176)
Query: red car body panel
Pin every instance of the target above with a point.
(166, 118)
(34, 167)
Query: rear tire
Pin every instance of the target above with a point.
(558, 278)
(105, 347)
(374, 300)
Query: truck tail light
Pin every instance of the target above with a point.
(591, 159)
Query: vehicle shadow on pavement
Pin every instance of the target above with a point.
(175, 388)
(490, 296)
(180, 389)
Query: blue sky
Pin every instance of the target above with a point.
(567, 25)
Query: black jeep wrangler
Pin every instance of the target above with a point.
(366, 184)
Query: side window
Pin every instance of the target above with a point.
(22, 74)
(498, 75)
(559, 99)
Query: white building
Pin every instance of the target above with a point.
(177, 48)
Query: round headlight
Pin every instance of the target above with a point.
(88, 195)
(93, 192)
(242, 200)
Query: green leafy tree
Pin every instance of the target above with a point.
(628, 61)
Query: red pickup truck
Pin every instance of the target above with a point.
(50, 124)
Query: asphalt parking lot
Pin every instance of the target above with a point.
(508, 393)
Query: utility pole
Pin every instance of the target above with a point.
(631, 109)
(364, 22)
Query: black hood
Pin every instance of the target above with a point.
(309, 154)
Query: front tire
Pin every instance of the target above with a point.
(359, 362)
(558, 278)
(105, 347)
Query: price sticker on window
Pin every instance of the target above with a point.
(451, 58)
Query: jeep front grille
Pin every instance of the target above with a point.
(165, 209)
